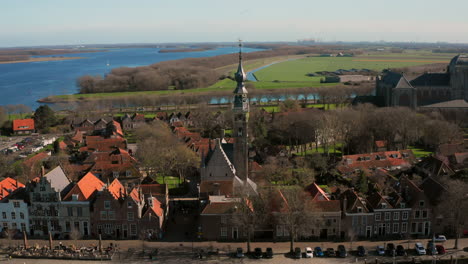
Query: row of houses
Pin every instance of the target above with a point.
(52, 203)
(406, 212)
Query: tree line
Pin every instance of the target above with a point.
(179, 74)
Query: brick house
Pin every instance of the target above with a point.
(75, 206)
(23, 126)
(116, 164)
(421, 208)
(326, 212)
(88, 126)
(132, 122)
(216, 219)
(121, 214)
(358, 218)
(391, 214)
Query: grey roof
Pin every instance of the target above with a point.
(57, 178)
(229, 150)
(449, 104)
(391, 78)
(431, 79)
(459, 60)
(403, 83)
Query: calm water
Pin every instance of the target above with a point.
(24, 83)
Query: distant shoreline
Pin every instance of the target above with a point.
(183, 50)
(42, 59)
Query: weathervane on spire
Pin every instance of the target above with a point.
(240, 49)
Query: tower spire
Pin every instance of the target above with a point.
(240, 74)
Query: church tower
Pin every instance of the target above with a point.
(240, 110)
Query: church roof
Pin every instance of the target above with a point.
(403, 83)
(459, 60)
(449, 104)
(391, 78)
(431, 79)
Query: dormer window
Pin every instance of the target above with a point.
(74, 197)
(402, 205)
(128, 173)
(359, 209)
(421, 203)
(384, 205)
(115, 174)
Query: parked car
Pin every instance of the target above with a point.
(361, 251)
(440, 249)
(400, 251)
(390, 249)
(440, 238)
(239, 253)
(341, 251)
(331, 252)
(258, 253)
(431, 249)
(309, 253)
(380, 250)
(269, 253)
(419, 249)
(297, 253)
(318, 252)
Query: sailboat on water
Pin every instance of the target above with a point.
(108, 64)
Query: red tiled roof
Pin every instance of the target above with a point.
(135, 195)
(8, 185)
(78, 136)
(254, 166)
(215, 187)
(85, 188)
(376, 160)
(116, 189)
(327, 206)
(316, 192)
(381, 143)
(118, 128)
(23, 124)
(156, 208)
(219, 208)
(62, 145)
(154, 189)
(104, 144)
(36, 158)
(139, 117)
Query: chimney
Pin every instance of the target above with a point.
(42, 171)
(345, 204)
(223, 133)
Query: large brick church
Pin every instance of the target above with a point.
(395, 89)
(225, 171)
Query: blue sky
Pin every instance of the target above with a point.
(49, 22)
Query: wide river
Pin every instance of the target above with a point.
(24, 83)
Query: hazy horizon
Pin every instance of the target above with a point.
(53, 22)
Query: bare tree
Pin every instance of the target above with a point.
(250, 213)
(160, 151)
(456, 198)
(293, 213)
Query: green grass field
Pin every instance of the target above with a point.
(296, 70)
(289, 73)
(172, 182)
(419, 152)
